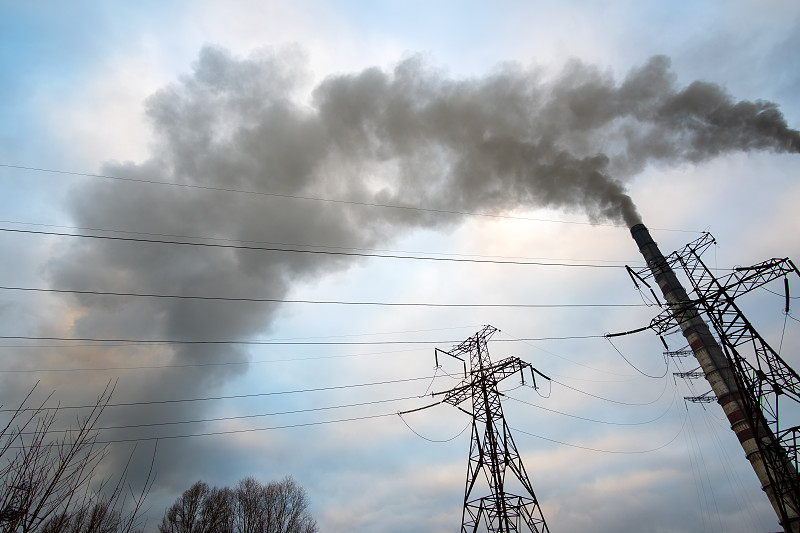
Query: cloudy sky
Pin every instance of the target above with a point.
(500, 148)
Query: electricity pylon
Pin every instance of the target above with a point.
(748, 388)
(492, 453)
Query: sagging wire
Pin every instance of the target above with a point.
(634, 276)
(512, 389)
(525, 385)
(618, 402)
(783, 333)
(433, 440)
(696, 478)
(695, 461)
(549, 391)
(669, 408)
(666, 361)
(448, 374)
(433, 378)
(624, 452)
(714, 428)
(698, 465)
(514, 338)
(779, 294)
(401, 413)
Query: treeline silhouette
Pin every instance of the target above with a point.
(249, 507)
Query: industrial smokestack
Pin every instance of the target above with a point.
(722, 379)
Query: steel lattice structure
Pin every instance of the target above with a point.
(493, 453)
(754, 376)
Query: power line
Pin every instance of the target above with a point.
(298, 301)
(317, 337)
(438, 441)
(244, 342)
(622, 452)
(666, 362)
(298, 245)
(186, 365)
(309, 251)
(237, 417)
(359, 418)
(781, 295)
(609, 399)
(318, 199)
(231, 431)
(215, 398)
(562, 357)
(228, 363)
(150, 342)
(593, 419)
(299, 197)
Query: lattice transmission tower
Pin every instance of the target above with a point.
(493, 456)
(748, 377)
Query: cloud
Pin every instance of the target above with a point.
(410, 136)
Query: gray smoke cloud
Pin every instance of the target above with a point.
(410, 136)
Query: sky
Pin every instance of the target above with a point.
(505, 146)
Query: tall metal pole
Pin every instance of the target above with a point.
(746, 422)
(492, 449)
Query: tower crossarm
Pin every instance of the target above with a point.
(691, 374)
(670, 262)
(490, 375)
(768, 375)
(456, 395)
(740, 281)
(720, 294)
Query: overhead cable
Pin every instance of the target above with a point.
(619, 402)
(184, 365)
(301, 197)
(591, 449)
(297, 245)
(230, 431)
(318, 199)
(229, 418)
(303, 301)
(115, 342)
(214, 398)
(666, 362)
(438, 441)
(309, 251)
(593, 419)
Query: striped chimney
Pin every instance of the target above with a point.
(717, 371)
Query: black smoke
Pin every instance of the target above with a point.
(411, 136)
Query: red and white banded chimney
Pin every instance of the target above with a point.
(719, 374)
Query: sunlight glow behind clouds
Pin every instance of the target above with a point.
(79, 80)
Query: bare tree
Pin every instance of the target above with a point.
(218, 510)
(200, 509)
(287, 506)
(96, 518)
(47, 475)
(250, 511)
(252, 507)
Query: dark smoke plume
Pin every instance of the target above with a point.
(410, 136)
